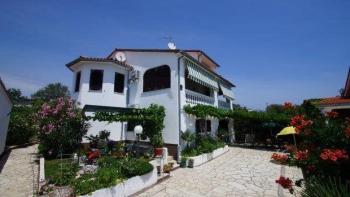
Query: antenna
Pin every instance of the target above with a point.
(171, 44)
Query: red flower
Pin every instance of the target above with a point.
(286, 183)
(332, 114)
(282, 158)
(301, 155)
(334, 155)
(300, 123)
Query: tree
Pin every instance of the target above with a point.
(51, 92)
(275, 108)
(16, 96)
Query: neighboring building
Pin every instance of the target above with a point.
(5, 109)
(340, 104)
(132, 78)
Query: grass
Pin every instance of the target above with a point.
(60, 172)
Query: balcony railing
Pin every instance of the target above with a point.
(224, 104)
(197, 98)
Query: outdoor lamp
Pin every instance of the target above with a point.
(138, 129)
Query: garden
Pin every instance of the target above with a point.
(321, 150)
(321, 146)
(80, 170)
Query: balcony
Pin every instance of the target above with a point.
(197, 98)
(224, 104)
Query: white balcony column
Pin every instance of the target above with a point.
(231, 101)
(216, 103)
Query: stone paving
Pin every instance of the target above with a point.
(19, 172)
(239, 172)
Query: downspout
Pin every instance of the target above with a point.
(179, 103)
(127, 89)
(127, 99)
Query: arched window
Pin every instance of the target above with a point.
(156, 78)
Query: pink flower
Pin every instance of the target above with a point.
(71, 114)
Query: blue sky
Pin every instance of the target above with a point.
(273, 50)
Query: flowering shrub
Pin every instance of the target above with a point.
(300, 123)
(334, 155)
(323, 145)
(281, 158)
(288, 105)
(61, 127)
(301, 155)
(286, 183)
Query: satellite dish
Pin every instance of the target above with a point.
(171, 46)
(120, 56)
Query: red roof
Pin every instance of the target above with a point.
(96, 59)
(334, 101)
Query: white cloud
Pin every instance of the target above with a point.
(26, 85)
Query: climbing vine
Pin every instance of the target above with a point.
(262, 124)
(151, 118)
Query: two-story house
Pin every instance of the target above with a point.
(136, 78)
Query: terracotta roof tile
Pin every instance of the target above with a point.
(334, 101)
(96, 59)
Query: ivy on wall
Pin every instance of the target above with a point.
(151, 118)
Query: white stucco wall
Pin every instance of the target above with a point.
(165, 97)
(105, 97)
(5, 109)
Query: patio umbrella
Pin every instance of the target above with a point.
(288, 131)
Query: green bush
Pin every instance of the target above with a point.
(203, 144)
(135, 167)
(110, 172)
(328, 187)
(189, 151)
(22, 126)
(85, 184)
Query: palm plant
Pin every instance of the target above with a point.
(188, 137)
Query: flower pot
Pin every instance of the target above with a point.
(158, 151)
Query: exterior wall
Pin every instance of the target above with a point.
(325, 109)
(165, 97)
(5, 109)
(106, 97)
(169, 98)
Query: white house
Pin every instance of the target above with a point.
(5, 109)
(130, 78)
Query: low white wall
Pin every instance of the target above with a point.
(128, 187)
(205, 157)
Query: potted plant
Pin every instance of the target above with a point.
(157, 142)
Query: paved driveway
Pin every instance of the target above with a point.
(19, 172)
(239, 172)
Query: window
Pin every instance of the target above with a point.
(208, 125)
(77, 81)
(156, 78)
(119, 82)
(96, 79)
(203, 126)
